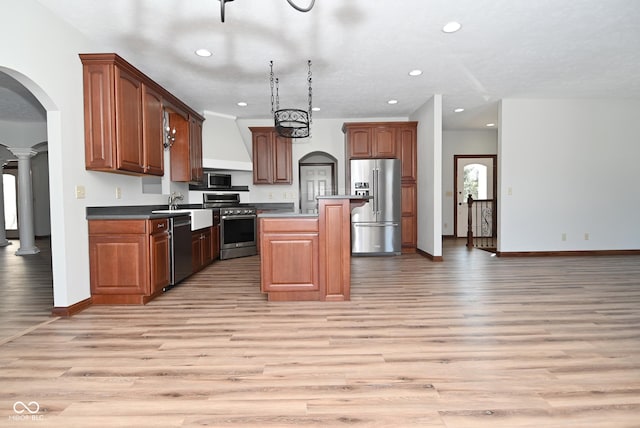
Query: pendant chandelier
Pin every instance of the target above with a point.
(293, 5)
(290, 123)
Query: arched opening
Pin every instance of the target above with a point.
(25, 121)
(318, 177)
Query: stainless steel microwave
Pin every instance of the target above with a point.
(218, 181)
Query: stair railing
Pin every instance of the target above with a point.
(481, 223)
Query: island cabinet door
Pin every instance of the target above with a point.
(289, 258)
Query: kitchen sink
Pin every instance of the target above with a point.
(200, 217)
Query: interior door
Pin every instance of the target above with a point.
(475, 175)
(315, 180)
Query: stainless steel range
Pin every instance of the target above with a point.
(237, 224)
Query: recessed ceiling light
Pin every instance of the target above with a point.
(316, 109)
(458, 110)
(491, 124)
(392, 102)
(451, 27)
(203, 52)
(242, 104)
(415, 72)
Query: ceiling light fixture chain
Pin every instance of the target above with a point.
(290, 123)
(293, 5)
(310, 93)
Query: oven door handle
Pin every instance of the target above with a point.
(238, 217)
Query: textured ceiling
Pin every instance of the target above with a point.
(362, 51)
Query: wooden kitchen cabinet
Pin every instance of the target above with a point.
(371, 141)
(128, 259)
(186, 151)
(215, 242)
(123, 121)
(377, 140)
(201, 248)
(289, 258)
(272, 163)
(406, 139)
(409, 218)
(152, 133)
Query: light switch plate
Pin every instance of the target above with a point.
(80, 192)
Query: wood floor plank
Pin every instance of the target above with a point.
(472, 341)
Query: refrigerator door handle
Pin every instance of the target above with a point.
(375, 191)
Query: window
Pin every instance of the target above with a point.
(475, 181)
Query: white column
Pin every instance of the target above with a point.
(25, 201)
(3, 232)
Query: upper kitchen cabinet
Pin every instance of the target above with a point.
(152, 114)
(123, 117)
(186, 150)
(406, 140)
(272, 162)
(379, 140)
(368, 140)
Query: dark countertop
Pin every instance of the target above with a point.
(133, 212)
(144, 212)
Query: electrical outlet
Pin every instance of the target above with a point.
(586, 236)
(270, 195)
(564, 236)
(80, 192)
(509, 191)
(118, 193)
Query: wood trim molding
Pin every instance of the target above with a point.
(68, 311)
(568, 253)
(429, 256)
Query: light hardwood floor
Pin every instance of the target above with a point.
(473, 341)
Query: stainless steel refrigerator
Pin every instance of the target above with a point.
(375, 226)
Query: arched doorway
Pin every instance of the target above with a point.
(317, 177)
(24, 123)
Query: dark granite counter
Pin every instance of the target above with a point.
(133, 212)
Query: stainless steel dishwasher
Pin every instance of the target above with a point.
(180, 249)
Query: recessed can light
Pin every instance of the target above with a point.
(451, 27)
(316, 109)
(491, 124)
(458, 110)
(242, 104)
(392, 102)
(203, 52)
(415, 72)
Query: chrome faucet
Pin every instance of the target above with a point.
(173, 198)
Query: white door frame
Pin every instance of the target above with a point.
(455, 183)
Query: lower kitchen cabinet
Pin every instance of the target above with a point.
(290, 257)
(201, 249)
(409, 218)
(128, 259)
(215, 242)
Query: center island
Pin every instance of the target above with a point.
(308, 256)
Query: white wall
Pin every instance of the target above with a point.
(43, 56)
(484, 142)
(568, 166)
(429, 181)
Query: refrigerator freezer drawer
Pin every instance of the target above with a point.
(375, 239)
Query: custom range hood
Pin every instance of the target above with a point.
(222, 144)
